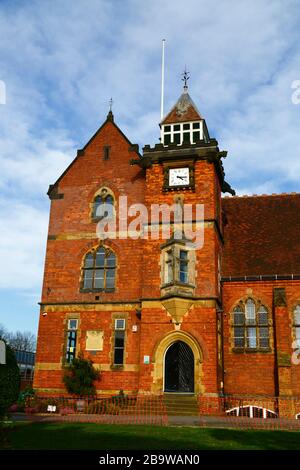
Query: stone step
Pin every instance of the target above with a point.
(181, 404)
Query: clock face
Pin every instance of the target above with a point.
(179, 176)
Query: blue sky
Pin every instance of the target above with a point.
(61, 61)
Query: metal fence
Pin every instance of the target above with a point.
(250, 412)
(226, 412)
(113, 409)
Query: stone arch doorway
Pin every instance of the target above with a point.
(159, 354)
(179, 368)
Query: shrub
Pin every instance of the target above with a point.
(121, 400)
(80, 376)
(25, 397)
(9, 381)
(14, 408)
(26, 393)
(30, 410)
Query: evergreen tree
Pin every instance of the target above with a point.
(80, 376)
(9, 381)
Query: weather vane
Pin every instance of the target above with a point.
(186, 77)
(110, 105)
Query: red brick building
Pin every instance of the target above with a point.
(157, 315)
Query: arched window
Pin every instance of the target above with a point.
(99, 270)
(101, 204)
(297, 324)
(250, 326)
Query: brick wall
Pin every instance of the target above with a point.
(269, 373)
(137, 295)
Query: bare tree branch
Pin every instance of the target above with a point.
(23, 341)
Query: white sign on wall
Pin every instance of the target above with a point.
(2, 352)
(51, 408)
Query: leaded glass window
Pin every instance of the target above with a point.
(71, 340)
(103, 205)
(99, 270)
(251, 326)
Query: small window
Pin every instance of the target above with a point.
(71, 340)
(106, 152)
(183, 266)
(196, 125)
(186, 127)
(119, 341)
(120, 324)
(176, 266)
(186, 137)
(196, 136)
(119, 347)
(177, 138)
(177, 127)
(250, 312)
(169, 267)
(167, 139)
(72, 324)
(103, 205)
(167, 128)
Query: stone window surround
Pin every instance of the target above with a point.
(175, 247)
(70, 316)
(117, 316)
(81, 281)
(103, 192)
(241, 302)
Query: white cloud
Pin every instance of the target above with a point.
(22, 245)
(62, 61)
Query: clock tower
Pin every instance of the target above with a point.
(181, 292)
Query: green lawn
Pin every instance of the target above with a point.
(26, 435)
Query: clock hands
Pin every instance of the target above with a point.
(178, 177)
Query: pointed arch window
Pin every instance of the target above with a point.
(251, 326)
(99, 270)
(103, 204)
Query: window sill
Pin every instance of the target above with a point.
(117, 367)
(92, 291)
(178, 283)
(251, 350)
